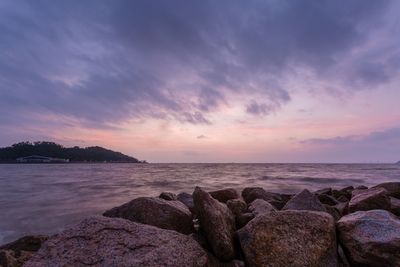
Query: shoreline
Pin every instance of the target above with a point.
(226, 227)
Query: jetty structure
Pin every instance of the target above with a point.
(40, 159)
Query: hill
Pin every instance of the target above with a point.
(74, 154)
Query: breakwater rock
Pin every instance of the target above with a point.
(229, 228)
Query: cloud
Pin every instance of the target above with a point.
(104, 62)
(201, 136)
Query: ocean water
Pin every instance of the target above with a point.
(45, 198)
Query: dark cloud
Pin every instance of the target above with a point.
(102, 62)
(202, 136)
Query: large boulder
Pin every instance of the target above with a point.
(369, 199)
(370, 238)
(305, 200)
(393, 188)
(260, 206)
(16, 253)
(290, 238)
(171, 215)
(237, 206)
(217, 222)
(224, 195)
(102, 241)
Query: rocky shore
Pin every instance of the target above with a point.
(330, 227)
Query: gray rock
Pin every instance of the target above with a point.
(250, 194)
(260, 206)
(304, 200)
(186, 199)
(370, 238)
(217, 222)
(374, 198)
(171, 215)
(224, 195)
(168, 196)
(290, 238)
(102, 241)
(393, 188)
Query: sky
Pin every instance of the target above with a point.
(205, 81)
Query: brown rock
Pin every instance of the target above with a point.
(224, 195)
(344, 193)
(243, 219)
(395, 206)
(217, 222)
(168, 196)
(304, 200)
(260, 206)
(290, 238)
(16, 253)
(393, 188)
(374, 198)
(237, 206)
(172, 215)
(102, 241)
(342, 208)
(370, 238)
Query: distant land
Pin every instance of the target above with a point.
(73, 154)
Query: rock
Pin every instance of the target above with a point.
(393, 188)
(102, 241)
(333, 212)
(370, 238)
(237, 206)
(290, 238)
(343, 199)
(395, 206)
(224, 195)
(186, 199)
(16, 253)
(374, 198)
(361, 187)
(304, 200)
(260, 206)
(243, 219)
(217, 222)
(168, 196)
(344, 193)
(250, 194)
(342, 208)
(172, 215)
(343, 262)
(325, 191)
(327, 199)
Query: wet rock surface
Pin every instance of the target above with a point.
(171, 215)
(370, 238)
(101, 241)
(290, 238)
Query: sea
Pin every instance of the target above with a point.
(46, 198)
